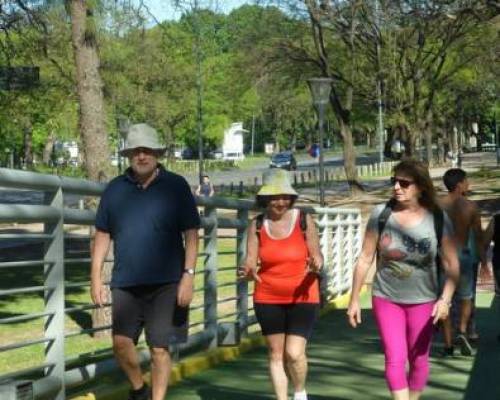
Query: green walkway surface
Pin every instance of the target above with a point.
(347, 364)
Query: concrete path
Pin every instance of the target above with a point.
(347, 364)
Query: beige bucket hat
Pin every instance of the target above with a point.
(142, 135)
(276, 181)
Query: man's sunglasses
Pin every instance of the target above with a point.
(404, 183)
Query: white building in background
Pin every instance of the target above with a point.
(232, 147)
(72, 148)
(67, 152)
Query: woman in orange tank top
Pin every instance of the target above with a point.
(286, 295)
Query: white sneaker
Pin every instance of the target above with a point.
(300, 395)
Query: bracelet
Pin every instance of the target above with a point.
(447, 302)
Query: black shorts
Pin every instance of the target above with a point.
(290, 319)
(152, 307)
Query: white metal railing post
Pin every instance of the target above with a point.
(242, 285)
(324, 240)
(210, 277)
(337, 253)
(54, 295)
(350, 252)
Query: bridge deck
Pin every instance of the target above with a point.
(348, 364)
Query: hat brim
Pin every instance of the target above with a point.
(126, 152)
(269, 191)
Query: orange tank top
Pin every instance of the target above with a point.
(283, 269)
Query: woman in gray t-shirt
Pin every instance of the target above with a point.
(406, 286)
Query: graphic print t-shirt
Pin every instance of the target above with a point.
(406, 264)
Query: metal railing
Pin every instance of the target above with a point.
(44, 262)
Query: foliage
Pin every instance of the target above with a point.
(254, 63)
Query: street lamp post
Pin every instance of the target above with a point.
(320, 93)
(497, 139)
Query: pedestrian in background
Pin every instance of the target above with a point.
(205, 188)
(464, 215)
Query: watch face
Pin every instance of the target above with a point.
(189, 271)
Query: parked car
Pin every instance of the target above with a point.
(284, 160)
(215, 154)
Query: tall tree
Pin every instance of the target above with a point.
(89, 89)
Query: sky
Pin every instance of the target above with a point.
(163, 9)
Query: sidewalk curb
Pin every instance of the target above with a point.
(196, 363)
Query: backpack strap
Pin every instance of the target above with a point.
(259, 220)
(438, 226)
(384, 216)
(438, 214)
(303, 222)
(496, 224)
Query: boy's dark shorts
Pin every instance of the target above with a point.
(152, 307)
(290, 319)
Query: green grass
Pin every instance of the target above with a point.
(16, 305)
(485, 173)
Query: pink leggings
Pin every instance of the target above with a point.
(406, 333)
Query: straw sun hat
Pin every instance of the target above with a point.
(276, 181)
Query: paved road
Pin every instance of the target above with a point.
(247, 176)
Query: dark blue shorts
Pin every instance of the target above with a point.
(152, 308)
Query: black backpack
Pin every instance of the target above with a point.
(438, 230)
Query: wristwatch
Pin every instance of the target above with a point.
(189, 271)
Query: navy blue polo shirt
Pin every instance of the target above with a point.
(146, 226)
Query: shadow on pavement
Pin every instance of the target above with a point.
(484, 380)
(218, 393)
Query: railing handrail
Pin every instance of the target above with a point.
(340, 243)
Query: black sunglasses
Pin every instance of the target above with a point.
(404, 183)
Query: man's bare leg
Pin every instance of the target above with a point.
(161, 366)
(447, 336)
(126, 355)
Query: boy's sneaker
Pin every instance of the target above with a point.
(447, 352)
(144, 393)
(465, 347)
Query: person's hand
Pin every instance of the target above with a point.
(440, 311)
(185, 290)
(97, 292)
(484, 272)
(314, 263)
(246, 272)
(354, 313)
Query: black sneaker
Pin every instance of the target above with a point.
(144, 393)
(465, 347)
(447, 352)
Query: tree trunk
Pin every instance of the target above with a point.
(91, 115)
(350, 159)
(48, 148)
(428, 131)
(28, 145)
(89, 90)
(428, 145)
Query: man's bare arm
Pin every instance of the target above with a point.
(186, 285)
(100, 250)
(478, 233)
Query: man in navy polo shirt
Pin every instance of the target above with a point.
(150, 215)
